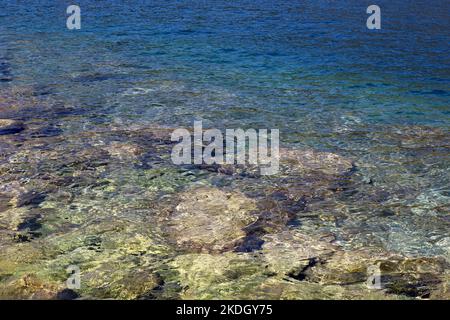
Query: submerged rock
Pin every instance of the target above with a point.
(8, 126)
(118, 259)
(124, 150)
(118, 281)
(207, 219)
(342, 267)
(298, 161)
(234, 275)
(30, 286)
(292, 162)
(424, 277)
(289, 252)
(411, 277)
(307, 178)
(293, 255)
(287, 289)
(226, 276)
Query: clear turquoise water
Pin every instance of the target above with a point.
(303, 65)
(309, 68)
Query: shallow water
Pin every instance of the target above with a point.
(89, 180)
